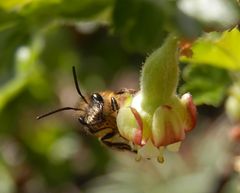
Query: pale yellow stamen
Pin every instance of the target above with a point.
(160, 159)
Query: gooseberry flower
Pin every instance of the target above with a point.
(157, 118)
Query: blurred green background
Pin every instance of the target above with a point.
(107, 41)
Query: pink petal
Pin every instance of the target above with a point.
(138, 134)
(167, 126)
(191, 119)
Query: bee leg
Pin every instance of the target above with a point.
(116, 145)
(120, 146)
(107, 136)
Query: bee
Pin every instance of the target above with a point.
(97, 115)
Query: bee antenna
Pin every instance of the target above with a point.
(58, 110)
(76, 84)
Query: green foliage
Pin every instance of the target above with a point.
(140, 23)
(207, 84)
(45, 11)
(206, 79)
(6, 184)
(25, 68)
(219, 50)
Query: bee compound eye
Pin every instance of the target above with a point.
(81, 120)
(97, 97)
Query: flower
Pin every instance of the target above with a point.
(156, 117)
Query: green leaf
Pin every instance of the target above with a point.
(208, 85)
(40, 13)
(14, 4)
(220, 51)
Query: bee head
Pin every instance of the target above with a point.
(90, 109)
(93, 110)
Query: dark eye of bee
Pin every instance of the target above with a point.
(97, 97)
(81, 120)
